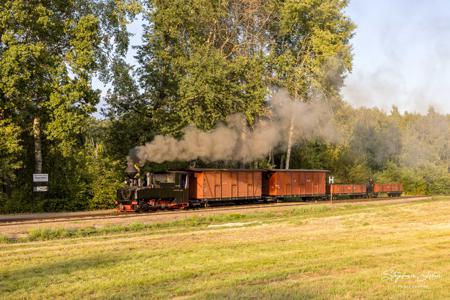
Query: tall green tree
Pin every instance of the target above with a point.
(10, 149)
(49, 52)
(310, 52)
(129, 113)
(203, 60)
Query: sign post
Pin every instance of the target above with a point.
(40, 188)
(40, 182)
(331, 181)
(40, 177)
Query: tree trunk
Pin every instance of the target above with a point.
(271, 159)
(243, 138)
(290, 136)
(289, 145)
(37, 144)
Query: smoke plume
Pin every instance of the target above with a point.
(234, 140)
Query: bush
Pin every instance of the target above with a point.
(425, 180)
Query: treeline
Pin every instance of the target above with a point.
(199, 62)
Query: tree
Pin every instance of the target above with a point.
(10, 149)
(376, 146)
(203, 60)
(310, 52)
(129, 113)
(49, 52)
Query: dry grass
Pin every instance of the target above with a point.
(382, 251)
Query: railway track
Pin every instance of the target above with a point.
(71, 217)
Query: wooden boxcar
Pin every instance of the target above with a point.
(207, 185)
(349, 190)
(392, 189)
(293, 183)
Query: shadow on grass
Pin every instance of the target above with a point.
(39, 276)
(265, 292)
(247, 289)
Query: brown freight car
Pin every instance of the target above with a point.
(299, 183)
(349, 190)
(215, 185)
(391, 189)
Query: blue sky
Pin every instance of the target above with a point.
(401, 54)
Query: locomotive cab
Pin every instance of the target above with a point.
(167, 190)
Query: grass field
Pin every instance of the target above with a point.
(391, 251)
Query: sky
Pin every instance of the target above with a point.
(401, 55)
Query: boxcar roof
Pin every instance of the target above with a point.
(255, 170)
(171, 171)
(297, 170)
(223, 169)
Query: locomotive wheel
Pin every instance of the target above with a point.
(144, 206)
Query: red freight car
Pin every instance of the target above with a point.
(207, 185)
(391, 189)
(298, 183)
(349, 190)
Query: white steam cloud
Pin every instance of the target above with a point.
(234, 140)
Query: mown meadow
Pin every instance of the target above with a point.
(394, 251)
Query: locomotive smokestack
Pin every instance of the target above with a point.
(131, 170)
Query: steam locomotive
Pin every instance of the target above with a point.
(203, 187)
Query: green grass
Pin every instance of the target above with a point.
(375, 251)
(42, 234)
(294, 215)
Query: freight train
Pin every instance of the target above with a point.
(203, 187)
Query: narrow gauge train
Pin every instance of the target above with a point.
(202, 187)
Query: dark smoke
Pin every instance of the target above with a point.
(234, 140)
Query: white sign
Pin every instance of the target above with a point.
(331, 180)
(42, 188)
(40, 177)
